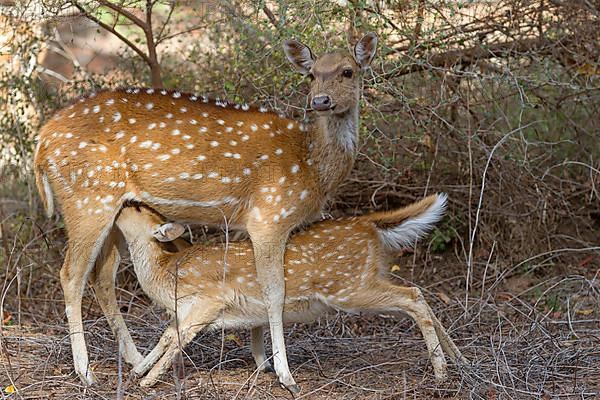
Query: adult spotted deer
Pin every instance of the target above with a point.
(332, 265)
(196, 160)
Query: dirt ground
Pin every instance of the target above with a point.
(518, 345)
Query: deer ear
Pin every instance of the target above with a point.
(365, 49)
(299, 55)
(168, 232)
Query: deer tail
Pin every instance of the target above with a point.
(402, 227)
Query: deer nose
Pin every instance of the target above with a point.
(321, 103)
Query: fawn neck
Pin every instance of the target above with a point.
(334, 147)
(146, 256)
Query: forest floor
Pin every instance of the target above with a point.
(519, 344)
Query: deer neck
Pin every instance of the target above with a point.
(334, 147)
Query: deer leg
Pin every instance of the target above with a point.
(257, 345)
(79, 261)
(268, 253)
(194, 322)
(103, 281)
(445, 340)
(165, 340)
(387, 297)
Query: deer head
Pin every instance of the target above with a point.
(335, 77)
(139, 222)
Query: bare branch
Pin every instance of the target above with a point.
(271, 16)
(159, 37)
(120, 10)
(419, 21)
(112, 30)
(155, 70)
(472, 55)
(171, 36)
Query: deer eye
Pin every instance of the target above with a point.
(347, 73)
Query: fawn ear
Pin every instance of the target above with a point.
(365, 49)
(168, 232)
(299, 55)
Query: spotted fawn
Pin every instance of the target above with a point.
(333, 265)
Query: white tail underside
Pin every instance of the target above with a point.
(412, 229)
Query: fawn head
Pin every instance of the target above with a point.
(336, 77)
(140, 222)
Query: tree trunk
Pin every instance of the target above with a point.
(156, 75)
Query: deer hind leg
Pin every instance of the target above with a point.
(257, 344)
(103, 281)
(386, 297)
(84, 247)
(446, 341)
(269, 248)
(203, 314)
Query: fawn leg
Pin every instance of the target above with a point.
(257, 345)
(165, 341)
(203, 315)
(384, 296)
(445, 340)
(103, 281)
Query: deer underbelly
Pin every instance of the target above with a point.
(255, 314)
(218, 211)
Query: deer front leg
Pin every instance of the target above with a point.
(165, 341)
(257, 345)
(103, 281)
(269, 248)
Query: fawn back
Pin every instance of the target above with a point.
(327, 263)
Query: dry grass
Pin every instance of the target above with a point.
(527, 336)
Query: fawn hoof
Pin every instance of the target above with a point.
(147, 382)
(269, 369)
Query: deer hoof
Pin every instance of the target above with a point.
(268, 368)
(293, 389)
(88, 378)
